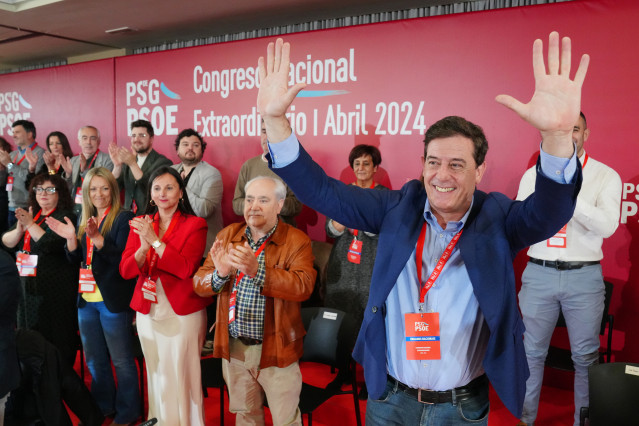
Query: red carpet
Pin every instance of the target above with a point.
(555, 407)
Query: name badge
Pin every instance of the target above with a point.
(422, 336)
(560, 239)
(355, 251)
(232, 300)
(78, 196)
(149, 290)
(9, 186)
(27, 264)
(87, 281)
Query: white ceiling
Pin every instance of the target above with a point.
(66, 29)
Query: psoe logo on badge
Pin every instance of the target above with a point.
(13, 107)
(421, 326)
(144, 102)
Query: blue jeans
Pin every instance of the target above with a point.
(579, 294)
(396, 407)
(107, 337)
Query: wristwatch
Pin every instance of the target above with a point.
(156, 244)
(10, 166)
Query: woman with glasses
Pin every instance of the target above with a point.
(49, 281)
(104, 316)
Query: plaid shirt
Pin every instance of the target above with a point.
(249, 304)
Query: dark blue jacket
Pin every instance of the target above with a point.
(497, 228)
(115, 290)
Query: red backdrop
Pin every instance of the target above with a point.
(377, 84)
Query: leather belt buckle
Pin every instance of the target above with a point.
(419, 398)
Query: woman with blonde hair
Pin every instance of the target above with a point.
(104, 316)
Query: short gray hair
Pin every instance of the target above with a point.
(280, 188)
(88, 127)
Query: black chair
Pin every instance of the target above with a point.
(560, 358)
(328, 341)
(212, 378)
(613, 392)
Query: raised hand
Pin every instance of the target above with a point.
(92, 229)
(275, 96)
(126, 156)
(24, 217)
(143, 226)
(242, 258)
(65, 230)
(32, 158)
(555, 105)
(114, 153)
(5, 157)
(83, 163)
(65, 162)
(220, 257)
(49, 160)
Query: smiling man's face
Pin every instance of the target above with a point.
(450, 177)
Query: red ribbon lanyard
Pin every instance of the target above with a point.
(152, 256)
(440, 264)
(25, 154)
(89, 258)
(26, 245)
(90, 164)
(583, 166)
(257, 253)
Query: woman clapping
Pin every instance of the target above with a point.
(104, 316)
(164, 250)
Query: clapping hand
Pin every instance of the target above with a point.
(143, 227)
(66, 230)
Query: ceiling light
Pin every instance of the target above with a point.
(121, 30)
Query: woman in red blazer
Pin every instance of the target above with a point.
(163, 252)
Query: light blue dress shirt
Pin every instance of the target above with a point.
(463, 331)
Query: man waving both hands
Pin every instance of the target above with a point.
(445, 248)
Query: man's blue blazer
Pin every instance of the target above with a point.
(496, 229)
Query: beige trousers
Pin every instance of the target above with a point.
(171, 348)
(248, 384)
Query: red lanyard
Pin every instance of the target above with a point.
(25, 154)
(90, 163)
(89, 258)
(440, 264)
(26, 245)
(152, 256)
(583, 166)
(257, 254)
(355, 231)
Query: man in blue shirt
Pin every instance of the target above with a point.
(442, 317)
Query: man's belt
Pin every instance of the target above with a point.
(428, 396)
(561, 265)
(247, 341)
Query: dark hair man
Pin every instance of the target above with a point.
(132, 167)
(28, 157)
(203, 182)
(430, 342)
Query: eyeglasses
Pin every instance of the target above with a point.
(48, 190)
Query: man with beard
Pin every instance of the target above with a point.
(133, 168)
(203, 182)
